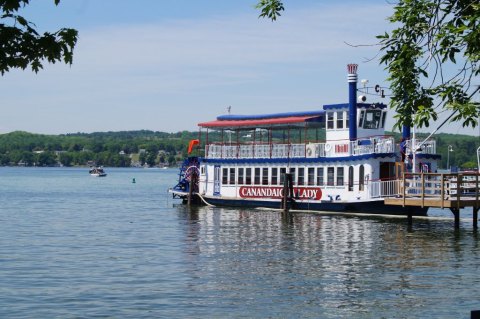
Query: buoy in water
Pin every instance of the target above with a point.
(133, 180)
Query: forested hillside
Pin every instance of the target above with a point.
(116, 149)
(127, 148)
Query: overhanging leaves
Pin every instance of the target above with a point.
(22, 46)
(433, 56)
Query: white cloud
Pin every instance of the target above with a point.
(173, 74)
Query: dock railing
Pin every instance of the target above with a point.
(441, 190)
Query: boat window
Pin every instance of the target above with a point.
(350, 179)
(320, 176)
(265, 176)
(339, 120)
(372, 119)
(240, 175)
(347, 115)
(274, 175)
(340, 173)
(256, 177)
(248, 176)
(283, 171)
(202, 170)
(362, 115)
(292, 171)
(225, 176)
(361, 178)
(232, 175)
(311, 176)
(330, 120)
(330, 175)
(384, 117)
(301, 176)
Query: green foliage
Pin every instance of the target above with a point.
(45, 159)
(108, 148)
(464, 149)
(270, 9)
(433, 55)
(23, 46)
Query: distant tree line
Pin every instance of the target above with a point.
(114, 149)
(127, 148)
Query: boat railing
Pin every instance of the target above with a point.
(280, 150)
(340, 148)
(262, 151)
(382, 189)
(427, 147)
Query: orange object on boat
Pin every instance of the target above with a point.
(192, 144)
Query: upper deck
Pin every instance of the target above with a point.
(350, 130)
(331, 149)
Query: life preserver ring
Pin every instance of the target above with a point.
(309, 152)
(328, 147)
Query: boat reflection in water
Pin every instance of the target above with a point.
(334, 265)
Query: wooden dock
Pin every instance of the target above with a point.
(452, 191)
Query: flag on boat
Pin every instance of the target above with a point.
(192, 144)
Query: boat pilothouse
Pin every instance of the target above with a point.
(248, 157)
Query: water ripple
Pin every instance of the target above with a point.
(72, 246)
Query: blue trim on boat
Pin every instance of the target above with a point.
(232, 117)
(359, 106)
(296, 159)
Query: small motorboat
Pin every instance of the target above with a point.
(97, 172)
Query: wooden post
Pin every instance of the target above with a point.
(423, 190)
(456, 214)
(477, 190)
(190, 191)
(459, 189)
(290, 186)
(475, 217)
(286, 192)
(442, 190)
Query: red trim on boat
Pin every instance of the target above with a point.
(257, 123)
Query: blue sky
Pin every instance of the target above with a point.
(167, 65)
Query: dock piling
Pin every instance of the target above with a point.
(287, 192)
(475, 217)
(456, 214)
(409, 219)
(190, 191)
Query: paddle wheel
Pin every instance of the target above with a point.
(187, 177)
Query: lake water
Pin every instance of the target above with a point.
(75, 246)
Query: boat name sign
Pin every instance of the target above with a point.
(277, 192)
